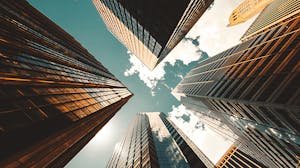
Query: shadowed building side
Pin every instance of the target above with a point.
(150, 29)
(54, 95)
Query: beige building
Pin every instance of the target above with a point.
(247, 10)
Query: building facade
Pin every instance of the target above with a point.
(150, 29)
(246, 10)
(234, 157)
(54, 95)
(222, 126)
(254, 88)
(273, 15)
(152, 140)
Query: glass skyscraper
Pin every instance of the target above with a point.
(150, 29)
(153, 141)
(268, 18)
(235, 158)
(54, 95)
(253, 87)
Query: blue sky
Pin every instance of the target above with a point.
(152, 90)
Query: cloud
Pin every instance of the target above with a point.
(215, 36)
(195, 41)
(209, 34)
(152, 93)
(150, 78)
(210, 143)
(200, 125)
(167, 86)
(185, 118)
(186, 51)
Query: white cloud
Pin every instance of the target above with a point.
(167, 86)
(152, 93)
(150, 78)
(210, 143)
(215, 37)
(185, 51)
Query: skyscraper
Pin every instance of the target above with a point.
(254, 86)
(223, 127)
(150, 29)
(246, 10)
(209, 118)
(152, 140)
(236, 158)
(54, 95)
(273, 15)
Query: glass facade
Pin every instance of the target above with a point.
(153, 141)
(254, 89)
(150, 35)
(234, 157)
(137, 148)
(269, 18)
(53, 92)
(192, 153)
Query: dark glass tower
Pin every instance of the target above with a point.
(254, 86)
(153, 141)
(150, 29)
(54, 95)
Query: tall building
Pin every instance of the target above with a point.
(246, 10)
(150, 29)
(209, 118)
(254, 86)
(220, 125)
(152, 140)
(273, 15)
(234, 157)
(54, 95)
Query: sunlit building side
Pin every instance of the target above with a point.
(273, 15)
(54, 95)
(152, 140)
(150, 29)
(254, 87)
(246, 10)
(234, 157)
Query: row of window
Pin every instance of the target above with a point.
(280, 155)
(50, 46)
(134, 26)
